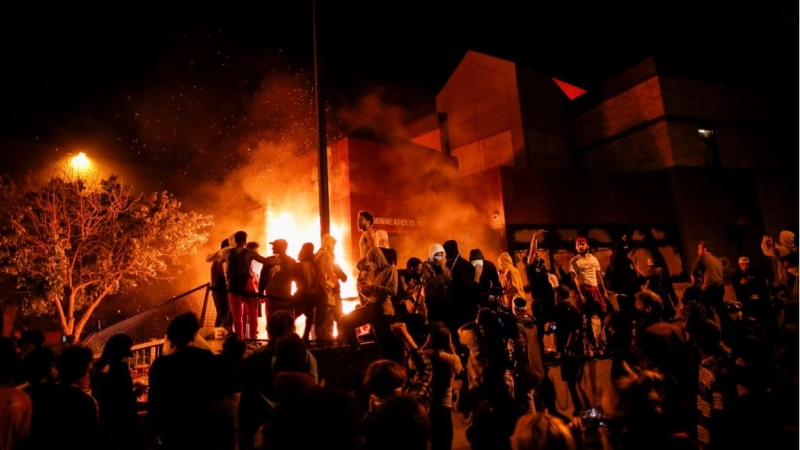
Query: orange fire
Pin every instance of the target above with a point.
(298, 229)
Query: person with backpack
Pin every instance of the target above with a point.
(238, 260)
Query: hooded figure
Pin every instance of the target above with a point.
(463, 288)
(436, 273)
(433, 249)
(511, 279)
(325, 260)
(381, 281)
(379, 285)
(490, 280)
(382, 238)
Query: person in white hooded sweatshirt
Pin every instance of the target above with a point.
(437, 277)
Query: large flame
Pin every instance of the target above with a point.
(297, 230)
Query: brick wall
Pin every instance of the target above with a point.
(577, 198)
(644, 150)
(716, 102)
(628, 109)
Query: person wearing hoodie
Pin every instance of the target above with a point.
(379, 286)
(489, 279)
(462, 292)
(383, 243)
(511, 280)
(437, 276)
(324, 259)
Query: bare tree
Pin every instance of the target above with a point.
(70, 245)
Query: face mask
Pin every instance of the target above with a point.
(437, 258)
(477, 262)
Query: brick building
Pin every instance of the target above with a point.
(511, 150)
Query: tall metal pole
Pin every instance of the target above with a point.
(324, 201)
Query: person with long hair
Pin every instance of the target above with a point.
(511, 280)
(112, 386)
(310, 297)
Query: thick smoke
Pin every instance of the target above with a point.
(419, 183)
(240, 139)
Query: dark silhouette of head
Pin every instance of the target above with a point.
(439, 336)
(279, 246)
(240, 238)
(413, 262)
(314, 406)
(234, 345)
(405, 413)
(384, 377)
(73, 363)
(306, 252)
(182, 329)
(450, 249)
(280, 324)
(118, 347)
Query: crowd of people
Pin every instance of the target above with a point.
(700, 370)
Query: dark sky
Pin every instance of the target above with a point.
(76, 75)
(198, 99)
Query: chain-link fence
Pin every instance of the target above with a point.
(150, 326)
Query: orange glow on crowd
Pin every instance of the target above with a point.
(297, 229)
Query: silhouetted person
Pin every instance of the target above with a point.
(461, 291)
(15, 405)
(179, 397)
(238, 261)
(622, 277)
(276, 280)
(227, 391)
(489, 280)
(310, 298)
(257, 379)
(65, 405)
(312, 410)
(219, 291)
(112, 386)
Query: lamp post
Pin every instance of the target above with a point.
(324, 201)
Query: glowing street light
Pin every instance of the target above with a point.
(80, 162)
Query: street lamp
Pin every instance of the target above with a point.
(80, 162)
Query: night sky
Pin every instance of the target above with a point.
(193, 89)
(198, 100)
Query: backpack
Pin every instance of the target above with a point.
(238, 271)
